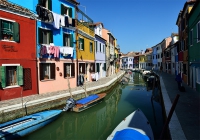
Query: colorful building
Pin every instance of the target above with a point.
(100, 50)
(85, 38)
(18, 63)
(182, 23)
(55, 45)
(193, 49)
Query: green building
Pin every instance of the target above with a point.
(194, 46)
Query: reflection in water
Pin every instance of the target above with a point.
(99, 121)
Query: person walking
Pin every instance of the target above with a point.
(179, 80)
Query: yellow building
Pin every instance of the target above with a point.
(142, 61)
(85, 52)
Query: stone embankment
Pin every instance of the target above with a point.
(15, 108)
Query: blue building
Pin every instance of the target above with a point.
(56, 50)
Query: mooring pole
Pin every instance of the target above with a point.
(169, 116)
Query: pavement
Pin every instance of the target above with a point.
(185, 121)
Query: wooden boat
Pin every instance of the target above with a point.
(22, 126)
(85, 103)
(134, 126)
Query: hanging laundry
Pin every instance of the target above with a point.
(62, 20)
(57, 19)
(70, 20)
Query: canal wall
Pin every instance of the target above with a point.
(28, 105)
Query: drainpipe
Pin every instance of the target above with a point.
(76, 32)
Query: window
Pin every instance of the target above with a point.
(100, 47)
(45, 36)
(11, 75)
(81, 43)
(103, 48)
(82, 68)
(47, 71)
(9, 30)
(68, 40)
(198, 31)
(69, 70)
(66, 10)
(96, 45)
(46, 3)
(91, 47)
(198, 75)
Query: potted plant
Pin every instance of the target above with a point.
(46, 77)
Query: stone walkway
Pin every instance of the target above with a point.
(185, 121)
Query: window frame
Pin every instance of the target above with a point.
(81, 44)
(91, 47)
(15, 30)
(3, 75)
(198, 32)
(52, 73)
(72, 70)
(69, 10)
(41, 36)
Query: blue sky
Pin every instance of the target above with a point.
(137, 24)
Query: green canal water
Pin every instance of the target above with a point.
(98, 122)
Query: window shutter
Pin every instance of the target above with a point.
(41, 72)
(71, 40)
(104, 67)
(50, 5)
(3, 76)
(20, 80)
(52, 67)
(16, 31)
(83, 43)
(64, 70)
(62, 9)
(72, 70)
(40, 36)
(51, 37)
(70, 12)
(0, 29)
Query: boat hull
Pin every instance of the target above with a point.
(137, 122)
(82, 107)
(25, 125)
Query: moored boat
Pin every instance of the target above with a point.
(22, 126)
(84, 103)
(134, 126)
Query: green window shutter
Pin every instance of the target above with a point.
(51, 37)
(53, 72)
(70, 12)
(20, 80)
(40, 36)
(62, 9)
(0, 29)
(71, 40)
(16, 31)
(50, 5)
(40, 2)
(3, 76)
(104, 66)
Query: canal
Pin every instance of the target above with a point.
(99, 121)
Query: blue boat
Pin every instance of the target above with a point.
(22, 126)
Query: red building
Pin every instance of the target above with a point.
(18, 71)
